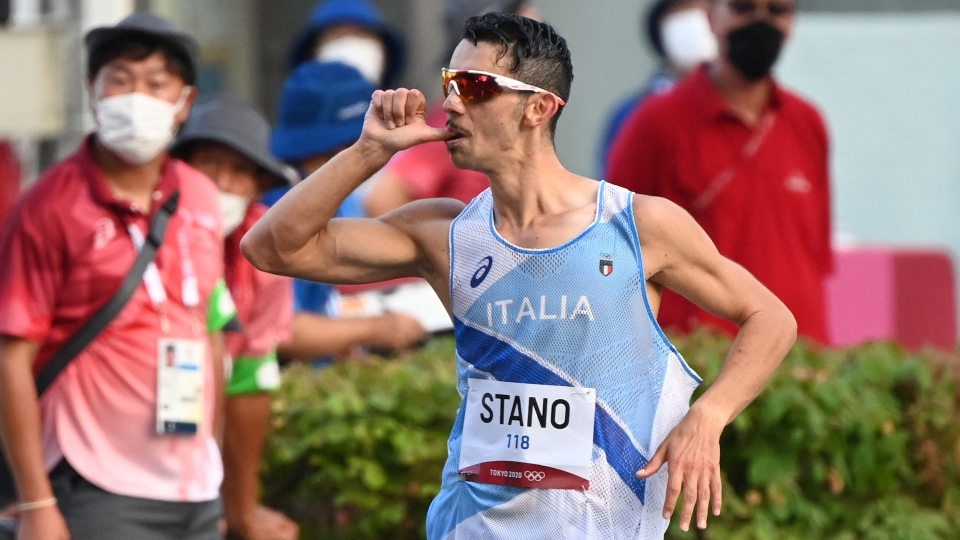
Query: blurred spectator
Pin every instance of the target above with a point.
(126, 460)
(228, 141)
(352, 32)
(746, 157)
(425, 171)
(9, 180)
(321, 112)
(679, 32)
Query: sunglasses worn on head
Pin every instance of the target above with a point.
(473, 86)
(775, 9)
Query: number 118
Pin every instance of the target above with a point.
(516, 441)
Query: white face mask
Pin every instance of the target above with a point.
(366, 55)
(687, 39)
(233, 208)
(135, 126)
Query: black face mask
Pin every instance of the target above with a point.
(754, 48)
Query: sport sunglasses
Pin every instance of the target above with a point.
(775, 9)
(473, 86)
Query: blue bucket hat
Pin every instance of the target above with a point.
(362, 13)
(322, 106)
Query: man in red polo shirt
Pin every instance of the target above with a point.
(120, 464)
(747, 158)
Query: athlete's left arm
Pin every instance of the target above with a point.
(679, 255)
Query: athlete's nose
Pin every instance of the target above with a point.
(453, 103)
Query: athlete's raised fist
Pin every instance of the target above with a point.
(396, 120)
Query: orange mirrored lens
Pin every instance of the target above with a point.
(472, 87)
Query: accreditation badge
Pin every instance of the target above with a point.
(180, 386)
(528, 435)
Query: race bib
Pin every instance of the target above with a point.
(528, 435)
(180, 386)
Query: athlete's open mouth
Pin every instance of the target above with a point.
(457, 133)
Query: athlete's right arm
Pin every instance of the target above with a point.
(20, 434)
(299, 237)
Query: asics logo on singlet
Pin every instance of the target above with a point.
(481, 273)
(534, 476)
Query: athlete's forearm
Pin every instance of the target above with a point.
(762, 343)
(20, 420)
(297, 221)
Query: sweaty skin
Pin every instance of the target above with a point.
(537, 204)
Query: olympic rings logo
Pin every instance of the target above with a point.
(534, 476)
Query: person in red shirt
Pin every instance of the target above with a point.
(9, 179)
(426, 171)
(228, 141)
(747, 158)
(129, 442)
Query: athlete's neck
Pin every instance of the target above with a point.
(131, 183)
(538, 203)
(747, 98)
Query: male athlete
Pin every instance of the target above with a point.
(573, 398)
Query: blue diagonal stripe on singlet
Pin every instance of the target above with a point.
(505, 363)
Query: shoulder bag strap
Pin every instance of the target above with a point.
(722, 180)
(101, 319)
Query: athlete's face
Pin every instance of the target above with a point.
(488, 128)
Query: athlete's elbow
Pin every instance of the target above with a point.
(260, 250)
(775, 321)
(787, 326)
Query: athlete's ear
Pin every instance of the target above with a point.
(540, 109)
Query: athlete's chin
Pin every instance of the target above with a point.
(462, 159)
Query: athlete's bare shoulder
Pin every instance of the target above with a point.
(657, 216)
(427, 223)
(425, 216)
(668, 234)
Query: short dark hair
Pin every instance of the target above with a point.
(539, 55)
(136, 46)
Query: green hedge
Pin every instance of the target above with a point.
(852, 444)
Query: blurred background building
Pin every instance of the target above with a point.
(883, 71)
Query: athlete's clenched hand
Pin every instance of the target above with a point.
(396, 120)
(692, 454)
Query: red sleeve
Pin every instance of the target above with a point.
(272, 314)
(423, 169)
(637, 160)
(31, 273)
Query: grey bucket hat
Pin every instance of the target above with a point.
(238, 125)
(145, 23)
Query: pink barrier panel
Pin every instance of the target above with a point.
(906, 295)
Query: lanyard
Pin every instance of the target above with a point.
(151, 277)
(188, 287)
